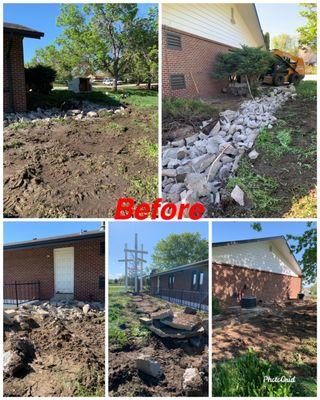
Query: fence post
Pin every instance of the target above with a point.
(16, 292)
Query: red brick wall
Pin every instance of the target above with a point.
(195, 61)
(38, 264)
(228, 283)
(18, 77)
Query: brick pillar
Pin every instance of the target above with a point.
(15, 99)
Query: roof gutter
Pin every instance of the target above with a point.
(51, 242)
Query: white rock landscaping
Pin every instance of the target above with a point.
(202, 164)
(87, 110)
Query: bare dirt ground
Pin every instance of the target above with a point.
(61, 356)
(284, 335)
(70, 168)
(174, 356)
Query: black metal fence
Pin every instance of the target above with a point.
(21, 292)
(190, 298)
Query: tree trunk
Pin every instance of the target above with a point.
(149, 84)
(115, 84)
(248, 84)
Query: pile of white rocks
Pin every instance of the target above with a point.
(63, 310)
(86, 111)
(196, 168)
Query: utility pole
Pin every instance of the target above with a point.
(134, 263)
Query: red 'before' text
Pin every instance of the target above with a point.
(127, 208)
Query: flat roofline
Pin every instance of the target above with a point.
(182, 267)
(218, 244)
(43, 242)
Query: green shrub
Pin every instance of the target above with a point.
(186, 111)
(244, 377)
(39, 79)
(216, 309)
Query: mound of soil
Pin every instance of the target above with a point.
(68, 356)
(74, 168)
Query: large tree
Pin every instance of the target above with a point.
(179, 249)
(144, 48)
(285, 42)
(104, 37)
(308, 32)
(306, 244)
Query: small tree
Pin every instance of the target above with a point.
(286, 42)
(266, 38)
(250, 62)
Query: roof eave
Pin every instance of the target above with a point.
(24, 33)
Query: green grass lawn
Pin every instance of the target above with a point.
(127, 95)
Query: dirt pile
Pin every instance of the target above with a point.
(54, 350)
(174, 360)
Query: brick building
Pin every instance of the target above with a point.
(264, 268)
(193, 35)
(186, 285)
(70, 266)
(14, 88)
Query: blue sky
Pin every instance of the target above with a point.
(20, 231)
(280, 18)
(226, 231)
(41, 17)
(149, 234)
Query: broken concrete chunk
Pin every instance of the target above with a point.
(178, 143)
(86, 308)
(191, 311)
(182, 153)
(162, 314)
(192, 380)
(238, 195)
(191, 139)
(170, 173)
(197, 183)
(229, 115)
(202, 162)
(149, 366)
(7, 320)
(183, 321)
(145, 320)
(12, 363)
(253, 155)
(216, 129)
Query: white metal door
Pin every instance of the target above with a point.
(64, 270)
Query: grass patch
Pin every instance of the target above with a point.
(244, 377)
(305, 387)
(143, 188)
(307, 90)
(259, 188)
(136, 97)
(13, 144)
(123, 326)
(186, 111)
(147, 148)
(274, 143)
(94, 389)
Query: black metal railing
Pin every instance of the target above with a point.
(21, 292)
(190, 298)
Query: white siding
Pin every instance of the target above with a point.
(210, 21)
(262, 256)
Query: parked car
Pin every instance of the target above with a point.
(107, 81)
